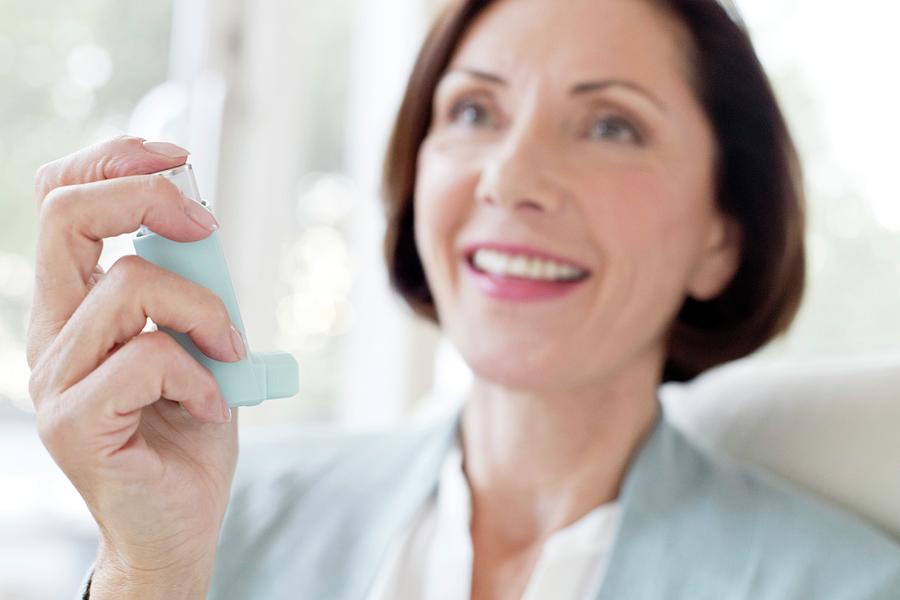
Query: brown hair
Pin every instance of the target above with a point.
(758, 184)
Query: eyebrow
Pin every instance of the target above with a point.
(578, 89)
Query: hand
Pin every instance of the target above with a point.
(136, 424)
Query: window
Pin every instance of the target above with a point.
(840, 94)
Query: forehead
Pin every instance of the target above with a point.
(572, 39)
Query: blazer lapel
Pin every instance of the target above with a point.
(687, 530)
(322, 532)
(374, 523)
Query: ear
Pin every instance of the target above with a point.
(719, 260)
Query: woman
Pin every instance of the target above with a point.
(590, 198)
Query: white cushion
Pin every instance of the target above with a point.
(829, 426)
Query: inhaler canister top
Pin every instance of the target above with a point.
(184, 180)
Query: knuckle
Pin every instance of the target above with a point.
(209, 388)
(43, 178)
(50, 175)
(160, 349)
(57, 203)
(126, 271)
(46, 429)
(32, 349)
(147, 351)
(122, 143)
(119, 291)
(46, 426)
(37, 383)
(164, 190)
(164, 196)
(155, 352)
(107, 157)
(158, 345)
(124, 140)
(51, 428)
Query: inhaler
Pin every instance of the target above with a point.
(258, 376)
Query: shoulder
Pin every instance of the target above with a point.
(802, 545)
(310, 513)
(279, 473)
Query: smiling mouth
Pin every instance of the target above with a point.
(510, 265)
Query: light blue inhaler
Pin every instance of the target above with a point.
(259, 376)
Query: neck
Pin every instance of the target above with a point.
(537, 462)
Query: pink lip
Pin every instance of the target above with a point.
(518, 289)
(469, 250)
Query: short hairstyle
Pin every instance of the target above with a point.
(758, 184)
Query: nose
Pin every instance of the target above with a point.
(520, 173)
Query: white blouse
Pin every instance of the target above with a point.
(432, 558)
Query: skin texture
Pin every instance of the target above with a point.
(136, 424)
(616, 180)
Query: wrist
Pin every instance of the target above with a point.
(176, 579)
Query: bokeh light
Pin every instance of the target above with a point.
(887, 211)
(318, 269)
(89, 66)
(326, 198)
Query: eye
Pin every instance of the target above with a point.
(615, 129)
(471, 111)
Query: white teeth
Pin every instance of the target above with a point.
(526, 267)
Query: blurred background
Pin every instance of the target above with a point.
(286, 106)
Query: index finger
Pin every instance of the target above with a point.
(116, 157)
(70, 243)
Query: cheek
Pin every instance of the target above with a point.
(444, 194)
(650, 228)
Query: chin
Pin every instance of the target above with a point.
(514, 369)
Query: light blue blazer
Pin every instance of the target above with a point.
(313, 519)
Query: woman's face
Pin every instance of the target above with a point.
(568, 130)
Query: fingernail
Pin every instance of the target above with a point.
(227, 414)
(238, 342)
(200, 215)
(167, 149)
